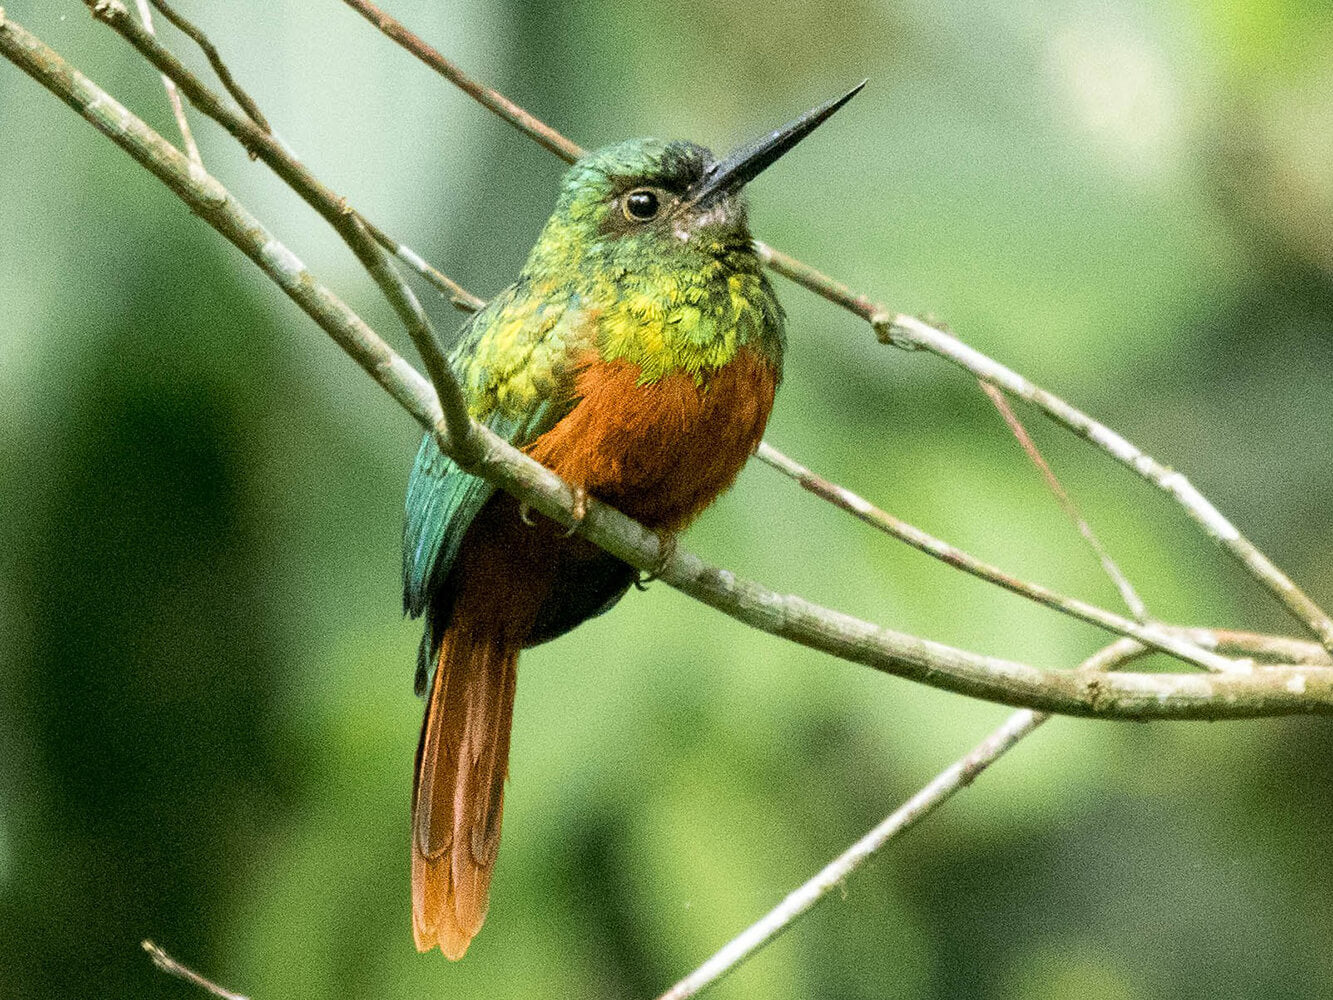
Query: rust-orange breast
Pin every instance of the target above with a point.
(661, 452)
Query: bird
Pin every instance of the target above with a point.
(637, 356)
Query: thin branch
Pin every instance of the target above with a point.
(945, 785)
(1269, 648)
(845, 499)
(1127, 592)
(260, 141)
(173, 95)
(1277, 690)
(534, 127)
(172, 967)
(910, 333)
(215, 60)
(458, 296)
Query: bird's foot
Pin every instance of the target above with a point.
(578, 508)
(666, 551)
(525, 514)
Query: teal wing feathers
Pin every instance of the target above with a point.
(442, 501)
(513, 362)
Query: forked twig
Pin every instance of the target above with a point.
(173, 95)
(1127, 592)
(260, 141)
(215, 60)
(457, 294)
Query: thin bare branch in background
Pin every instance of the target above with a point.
(488, 98)
(459, 296)
(943, 787)
(1127, 592)
(952, 779)
(173, 95)
(253, 132)
(1269, 648)
(172, 967)
(215, 60)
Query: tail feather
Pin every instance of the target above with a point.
(458, 797)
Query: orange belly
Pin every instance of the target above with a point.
(660, 452)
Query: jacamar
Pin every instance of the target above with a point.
(637, 356)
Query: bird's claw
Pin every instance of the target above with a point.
(525, 515)
(666, 551)
(578, 508)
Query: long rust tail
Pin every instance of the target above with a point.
(458, 795)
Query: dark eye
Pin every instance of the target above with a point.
(641, 205)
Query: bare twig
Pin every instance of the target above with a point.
(951, 780)
(172, 967)
(862, 509)
(1276, 690)
(215, 60)
(173, 95)
(1269, 648)
(459, 296)
(537, 129)
(1127, 592)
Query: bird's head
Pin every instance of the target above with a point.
(632, 206)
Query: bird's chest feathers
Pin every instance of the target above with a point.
(693, 320)
(661, 449)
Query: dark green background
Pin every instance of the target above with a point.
(206, 718)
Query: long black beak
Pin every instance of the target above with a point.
(745, 164)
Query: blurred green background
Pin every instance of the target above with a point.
(206, 717)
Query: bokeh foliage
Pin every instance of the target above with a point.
(206, 725)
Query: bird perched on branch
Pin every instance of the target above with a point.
(636, 356)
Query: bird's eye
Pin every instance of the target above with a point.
(641, 205)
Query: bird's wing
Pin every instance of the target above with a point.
(514, 363)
